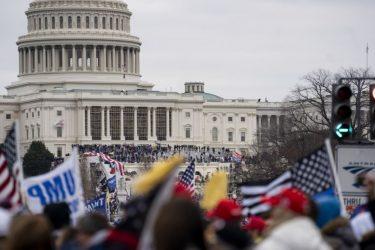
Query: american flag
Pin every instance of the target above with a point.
(10, 169)
(237, 157)
(118, 165)
(311, 174)
(187, 178)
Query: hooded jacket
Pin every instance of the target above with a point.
(295, 234)
(339, 235)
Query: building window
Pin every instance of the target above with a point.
(27, 133)
(129, 124)
(86, 122)
(27, 115)
(243, 119)
(70, 22)
(32, 114)
(230, 136)
(214, 119)
(78, 22)
(40, 24)
(96, 123)
(87, 22)
(117, 24)
(8, 116)
(32, 133)
(161, 124)
(187, 133)
(243, 136)
(187, 114)
(34, 23)
(61, 22)
(53, 23)
(38, 113)
(111, 23)
(96, 22)
(38, 131)
(103, 23)
(142, 122)
(122, 24)
(59, 152)
(215, 134)
(230, 119)
(59, 132)
(45, 23)
(115, 123)
(59, 112)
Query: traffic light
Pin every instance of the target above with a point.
(341, 111)
(372, 111)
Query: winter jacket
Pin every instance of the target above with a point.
(339, 235)
(296, 234)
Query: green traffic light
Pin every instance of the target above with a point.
(343, 130)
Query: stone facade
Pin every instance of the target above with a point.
(80, 83)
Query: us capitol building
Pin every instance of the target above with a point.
(80, 82)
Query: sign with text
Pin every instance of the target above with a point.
(63, 184)
(97, 205)
(352, 162)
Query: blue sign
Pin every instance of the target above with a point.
(97, 205)
(111, 184)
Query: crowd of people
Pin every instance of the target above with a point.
(295, 222)
(152, 153)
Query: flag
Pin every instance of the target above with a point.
(237, 157)
(311, 174)
(10, 169)
(119, 167)
(187, 179)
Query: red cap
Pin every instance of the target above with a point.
(181, 191)
(292, 199)
(255, 223)
(226, 210)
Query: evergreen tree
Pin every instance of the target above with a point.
(37, 160)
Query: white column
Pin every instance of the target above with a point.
(122, 59)
(128, 60)
(29, 60)
(74, 57)
(103, 122)
(168, 125)
(108, 124)
(63, 57)
(89, 123)
(154, 123)
(136, 124)
(133, 61)
(53, 59)
(84, 58)
(44, 59)
(122, 137)
(93, 59)
(114, 64)
(20, 61)
(35, 59)
(149, 123)
(138, 63)
(104, 61)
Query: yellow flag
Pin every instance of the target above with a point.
(215, 190)
(156, 175)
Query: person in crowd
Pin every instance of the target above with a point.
(58, 215)
(336, 230)
(89, 225)
(368, 240)
(224, 230)
(290, 228)
(179, 225)
(255, 226)
(30, 232)
(5, 220)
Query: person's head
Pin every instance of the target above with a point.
(328, 208)
(88, 225)
(227, 210)
(30, 232)
(58, 214)
(255, 226)
(179, 225)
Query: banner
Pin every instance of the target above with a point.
(63, 184)
(97, 205)
(111, 184)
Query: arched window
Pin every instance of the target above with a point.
(70, 22)
(111, 23)
(117, 24)
(35, 24)
(96, 25)
(87, 22)
(53, 23)
(122, 24)
(103, 23)
(45, 23)
(61, 22)
(215, 134)
(78, 22)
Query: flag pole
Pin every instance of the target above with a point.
(335, 176)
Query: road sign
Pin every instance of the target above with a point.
(353, 161)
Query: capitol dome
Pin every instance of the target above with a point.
(79, 40)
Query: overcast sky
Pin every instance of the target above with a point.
(239, 48)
